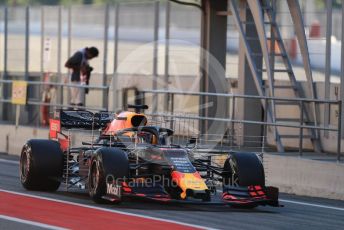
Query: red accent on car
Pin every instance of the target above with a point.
(140, 194)
(261, 193)
(162, 199)
(227, 196)
(253, 194)
(126, 187)
(64, 144)
(176, 176)
(55, 128)
(258, 187)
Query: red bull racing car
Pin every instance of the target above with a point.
(130, 158)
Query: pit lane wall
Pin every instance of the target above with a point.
(305, 177)
(291, 174)
(13, 138)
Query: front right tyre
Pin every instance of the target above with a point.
(242, 170)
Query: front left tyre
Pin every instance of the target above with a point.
(41, 165)
(106, 162)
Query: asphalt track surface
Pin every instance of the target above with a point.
(297, 213)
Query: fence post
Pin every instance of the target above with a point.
(42, 55)
(301, 129)
(167, 53)
(172, 110)
(5, 93)
(115, 64)
(27, 41)
(59, 54)
(232, 133)
(5, 42)
(342, 74)
(69, 46)
(265, 127)
(42, 41)
(339, 134)
(155, 56)
(106, 32)
(28, 108)
(328, 64)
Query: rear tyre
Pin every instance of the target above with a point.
(106, 161)
(41, 165)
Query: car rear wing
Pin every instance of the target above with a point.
(80, 119)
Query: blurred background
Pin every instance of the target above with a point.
(134, 38)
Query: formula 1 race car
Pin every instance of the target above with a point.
(130, 158)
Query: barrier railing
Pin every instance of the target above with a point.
(37, 101)
(301, 125)
(231, 120)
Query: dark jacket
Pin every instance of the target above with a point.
(75, 63)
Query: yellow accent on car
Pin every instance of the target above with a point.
(187, 181)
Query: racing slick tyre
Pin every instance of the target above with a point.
(41, 165)
(106, 162)
(242, 170)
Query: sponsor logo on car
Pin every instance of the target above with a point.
(113, 189)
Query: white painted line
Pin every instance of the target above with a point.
(9, 161)
(312, 205)
(33, 223)
(108, 210)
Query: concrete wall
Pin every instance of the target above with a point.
(305, 177)
(12, 139)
